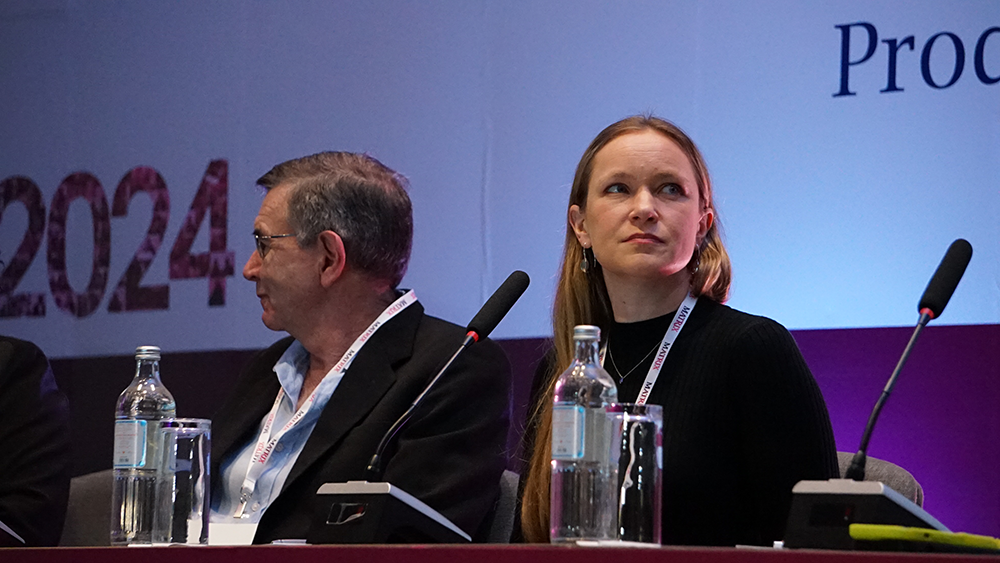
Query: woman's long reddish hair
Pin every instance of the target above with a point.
(582, 298)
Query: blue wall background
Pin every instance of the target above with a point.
(836, 208)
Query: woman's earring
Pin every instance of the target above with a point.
(584, 263)
(695, 261)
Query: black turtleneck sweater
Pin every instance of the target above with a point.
(743, 422)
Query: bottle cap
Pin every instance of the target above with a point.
(586, 332)
(147, 353)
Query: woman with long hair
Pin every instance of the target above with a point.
(743, 417)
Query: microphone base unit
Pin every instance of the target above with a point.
(822, 512)
(361, 512)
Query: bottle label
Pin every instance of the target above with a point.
(130, 443)
(567, 431)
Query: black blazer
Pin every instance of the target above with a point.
(450, 455)
(34, 446)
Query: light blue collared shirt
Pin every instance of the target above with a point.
(290, 370)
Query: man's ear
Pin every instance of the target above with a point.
(333, 256)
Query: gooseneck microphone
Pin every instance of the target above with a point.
(480, 327)
(497, 305)
(931, 305)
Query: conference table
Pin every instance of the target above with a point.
(482, 553)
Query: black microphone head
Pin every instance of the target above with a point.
(946, 278)
(499, 304)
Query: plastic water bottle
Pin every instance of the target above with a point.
(138, 449)
(584, 491)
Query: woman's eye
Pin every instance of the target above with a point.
(671, 189)
(617, 189)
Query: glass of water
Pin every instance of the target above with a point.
(640, 472)
(182, 497)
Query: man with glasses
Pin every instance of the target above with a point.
(333, 241)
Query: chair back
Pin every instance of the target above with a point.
(88, 514)
(890, 474)
(502, 525)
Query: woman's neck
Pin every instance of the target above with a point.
(634, 300)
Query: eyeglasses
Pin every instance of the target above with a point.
(261, 240)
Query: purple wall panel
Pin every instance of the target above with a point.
(941, 422)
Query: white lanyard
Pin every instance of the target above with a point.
(680, 319)
(266, 443)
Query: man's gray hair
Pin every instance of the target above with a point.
(355, 196)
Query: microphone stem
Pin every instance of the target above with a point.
(857, 469)
(469, 339)
(374, 469)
